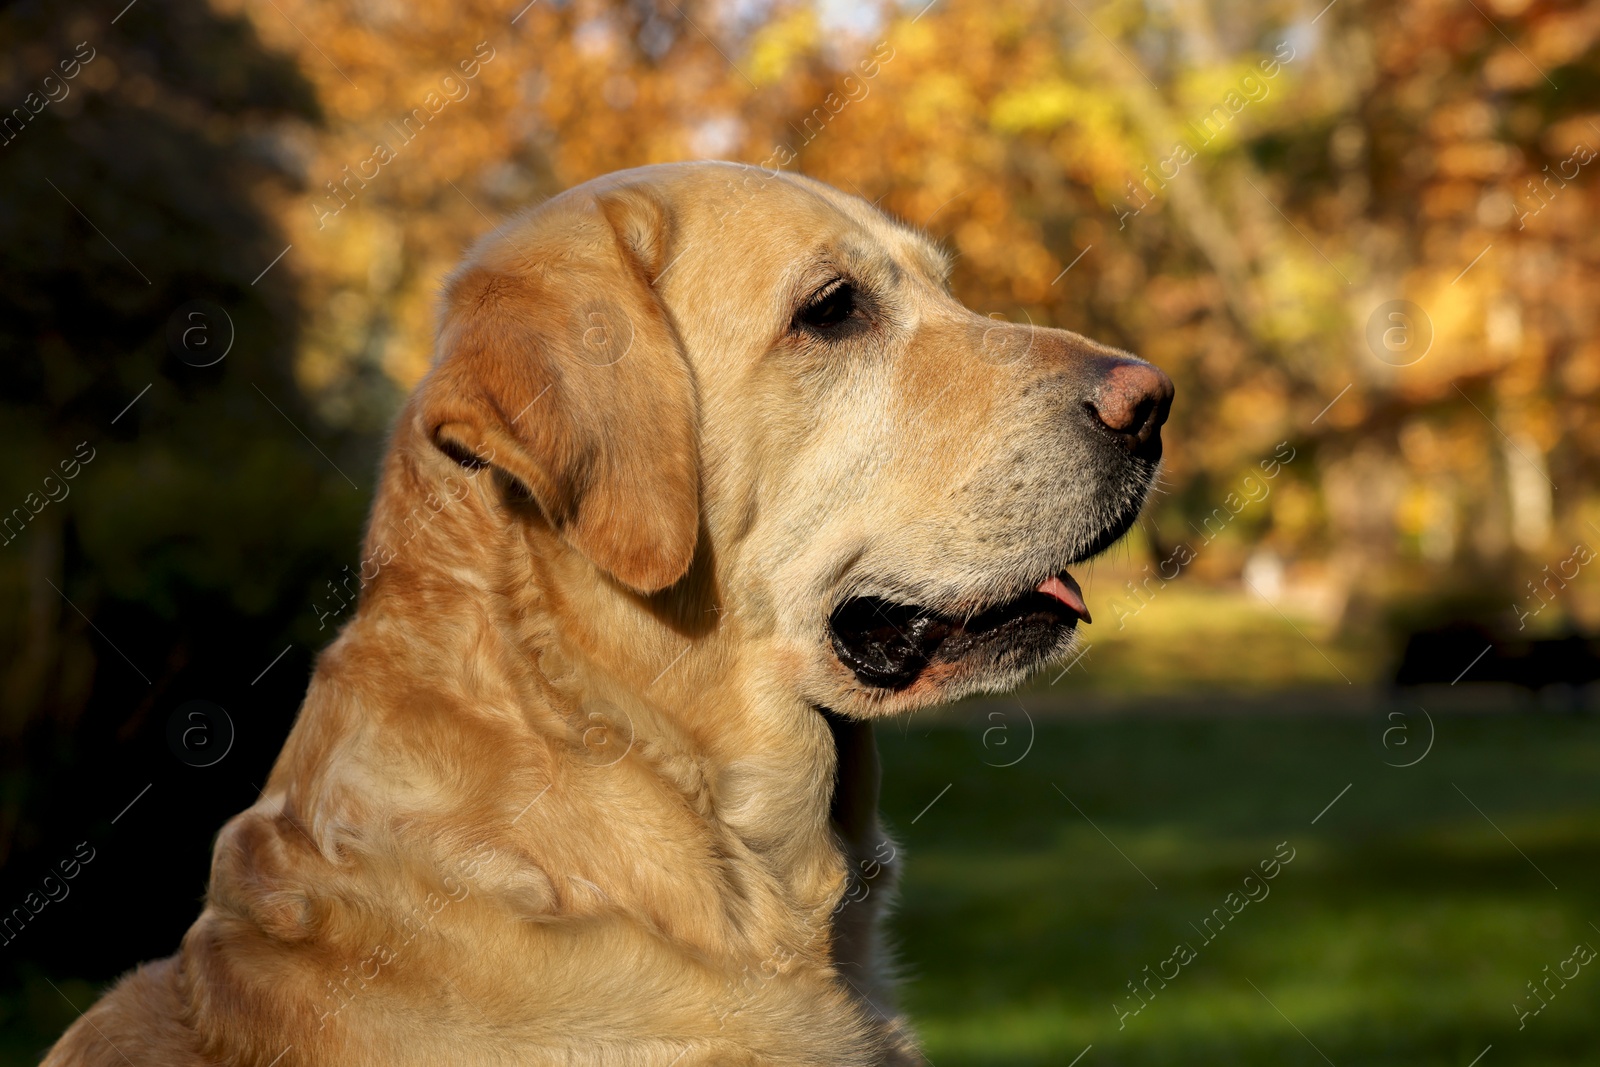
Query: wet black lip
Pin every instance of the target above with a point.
(888, 644)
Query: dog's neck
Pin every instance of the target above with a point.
(516, 644)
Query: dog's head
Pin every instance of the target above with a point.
(717, 388)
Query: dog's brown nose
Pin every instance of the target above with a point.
(1132, 400)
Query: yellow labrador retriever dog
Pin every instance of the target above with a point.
(711, 471)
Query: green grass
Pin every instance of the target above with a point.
(1402, 932)
(1197, 637)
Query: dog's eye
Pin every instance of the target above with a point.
(832, 305)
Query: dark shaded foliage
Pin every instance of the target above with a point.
(185, 554)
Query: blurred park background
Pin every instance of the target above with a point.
(1360, 236)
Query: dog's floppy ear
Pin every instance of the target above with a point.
(558, 367)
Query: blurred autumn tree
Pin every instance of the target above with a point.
(166, 523)
(1387, 148)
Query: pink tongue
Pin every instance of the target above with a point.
(1065, 589)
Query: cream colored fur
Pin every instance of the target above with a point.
(560, 792)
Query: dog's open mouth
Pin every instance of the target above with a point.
(888, 644)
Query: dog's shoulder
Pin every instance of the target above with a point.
(140, 1021)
